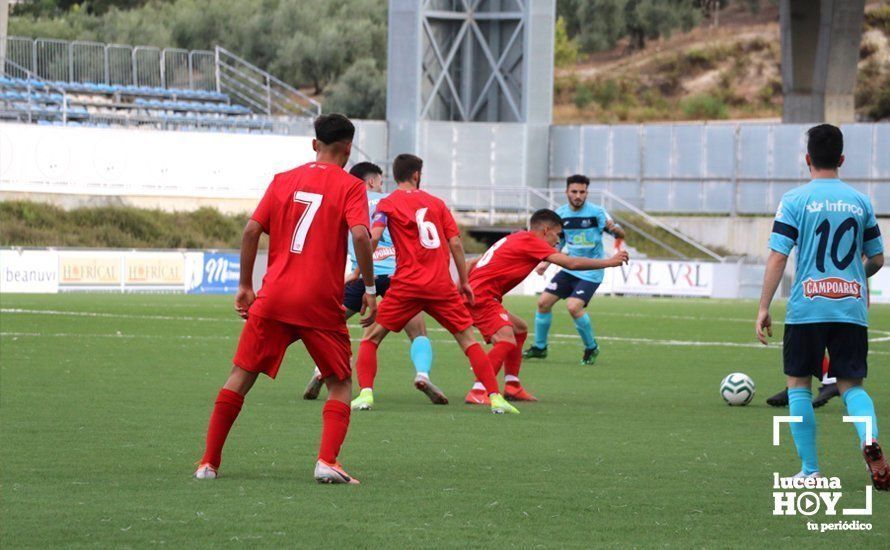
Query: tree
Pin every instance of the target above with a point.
(360, 92)
(565, 49)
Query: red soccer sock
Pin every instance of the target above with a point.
(498, 354)
(513, 362)
(225, 411)
(334, 424)
(482, 368)
(825, 365)
(366, 364)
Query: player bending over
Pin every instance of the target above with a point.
(503, 266)
(583, 224)
(384, 266)
(300, 299)
(832, 225)
(426, 238)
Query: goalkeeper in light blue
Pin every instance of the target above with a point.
(839, 247)
(384, 266)
(583, 226)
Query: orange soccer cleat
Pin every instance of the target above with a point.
(325, 472)
(877, 466)
(477, 397)
(513, 391)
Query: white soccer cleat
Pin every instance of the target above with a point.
(205, 471)
(801, 475)
(332, 473)
(435, 395)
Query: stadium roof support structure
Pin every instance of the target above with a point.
(820, 51)
(472, 61)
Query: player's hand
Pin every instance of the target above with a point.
(243, 300)
(542, 267)
(369, 307)
(467, 292)
(764, 324)
(620, 257)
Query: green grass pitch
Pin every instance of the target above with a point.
(103, 417)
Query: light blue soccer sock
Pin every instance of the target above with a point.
(422, 355)
(542, 328)
(800, 403)
(859, 403)
(585, 329)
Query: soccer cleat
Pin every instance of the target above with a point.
(364, 401)
(801, 475)
(313, 388)
(877, 466)
(424, 384)
(826, 393)
(513, 391)
(332, 473)
(477, 397)
(590, 356)
(206, 471)
(778, 400)
(535, 352)
(499, 405)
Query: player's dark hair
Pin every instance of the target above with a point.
(364, 169)
(333, 128)
(577, 178)
(825, 144)
(404, 165)
(544, 217)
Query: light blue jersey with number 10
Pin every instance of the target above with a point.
(832, 225)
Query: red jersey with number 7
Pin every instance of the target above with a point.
(420, 225)
(307, 213)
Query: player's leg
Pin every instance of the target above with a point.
(366, 366)
(482, 370)
(352, 301)
(848, 347)
(582, 292)
(331, 352)
(804, 346)
(513, 389)
(544, 318)
(261, 348)
(422, 357)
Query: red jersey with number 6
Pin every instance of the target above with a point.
(420, 225)
(307, 213)
(507, 263)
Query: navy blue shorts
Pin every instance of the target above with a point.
(352, 294)
(805, 346)
(565, 285)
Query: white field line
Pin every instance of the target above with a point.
(885, 335)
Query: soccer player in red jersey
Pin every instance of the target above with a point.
(506, 264)
(307, 213)
(426, 237)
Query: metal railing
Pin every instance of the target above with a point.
(255, 88)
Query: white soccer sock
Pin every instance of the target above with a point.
(510, 378)
(317, 373)
(423, 375)
(827, 380)
(478, 386)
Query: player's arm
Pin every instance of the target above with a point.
(364, 257)
(472, 263)
(775, 268)
(542, 267)
(460, 261)
(575, 264)
(250, 242)
(614, 229)
(874, 264)
(376, 235)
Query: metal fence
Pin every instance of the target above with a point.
(741, 168)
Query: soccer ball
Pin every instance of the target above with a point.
(737, 389)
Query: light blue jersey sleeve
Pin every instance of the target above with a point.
(385, 255)
(873, 243)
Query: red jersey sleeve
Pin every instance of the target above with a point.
(262, 214)
(357, 205)
(450, 226)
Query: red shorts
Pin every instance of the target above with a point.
(489, 316)
(263, 343)
(395, 311)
